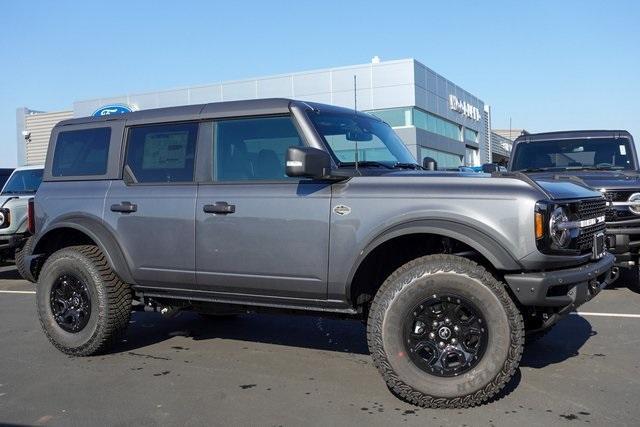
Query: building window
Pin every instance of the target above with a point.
(435, 124)
(394, 117)
(470, 135)
(162, 153)
(472, 157)
(444, 160)
(81, 152)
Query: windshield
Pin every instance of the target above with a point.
(568, 154)
(23, 182)
(376, 142)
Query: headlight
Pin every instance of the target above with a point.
(560, 235)
(4, 218)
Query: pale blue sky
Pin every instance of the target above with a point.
(547, 64)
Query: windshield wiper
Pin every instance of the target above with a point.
(367, 163)
(402, 165)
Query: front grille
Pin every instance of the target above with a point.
(618, 196)
(585, 239)
(619, 213)
(589, 209)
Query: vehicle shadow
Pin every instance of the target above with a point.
(11, 274)
(561, 343)
(346, 336)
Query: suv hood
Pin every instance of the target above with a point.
(609, 180)
(5, 197)
(554, 189)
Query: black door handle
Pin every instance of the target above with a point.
(222, 208)
(124, 207)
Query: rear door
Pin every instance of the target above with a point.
(152, 209)
(258, 231)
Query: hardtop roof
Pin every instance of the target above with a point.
(573, 134)
(250, 107)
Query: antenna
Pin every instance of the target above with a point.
(355, 113)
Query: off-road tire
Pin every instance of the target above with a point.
(110, 301)
(20, 253)
(422, 278)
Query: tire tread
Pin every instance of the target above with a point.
(392, 285)
(118, 305)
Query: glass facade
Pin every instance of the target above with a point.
(445, 160)
(435, 124)
(397, 117)
(470, 135)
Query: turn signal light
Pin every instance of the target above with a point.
(539, 226)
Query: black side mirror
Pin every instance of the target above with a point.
(308, 162)
(429, 163)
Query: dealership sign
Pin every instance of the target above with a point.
(110, 109)
(464, 108)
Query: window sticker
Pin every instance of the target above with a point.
(623, 150)
(166, 150)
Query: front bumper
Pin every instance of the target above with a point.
(10, 241)
(623, 240)
(570, 287)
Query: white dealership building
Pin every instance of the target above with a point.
(434, 116)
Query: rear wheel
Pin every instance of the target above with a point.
(82, 304)
(443, 332)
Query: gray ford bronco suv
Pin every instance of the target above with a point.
(605, 160)
(281, 204)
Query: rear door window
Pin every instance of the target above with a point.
(81, 152)
(162, 153)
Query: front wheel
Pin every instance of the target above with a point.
(443, 332)
(83, 305)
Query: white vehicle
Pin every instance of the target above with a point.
(14, 198)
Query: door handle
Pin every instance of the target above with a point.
(222, 208)
(124, 207)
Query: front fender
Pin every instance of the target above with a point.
(481, 241)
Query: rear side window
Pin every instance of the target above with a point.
(162, 153)
(81, 152)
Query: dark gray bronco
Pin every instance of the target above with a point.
(281, 204)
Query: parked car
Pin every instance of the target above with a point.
(21, 185)
(5, 173)
(604, 160)
(298, 206)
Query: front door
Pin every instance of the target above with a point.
(152, 211)
(258, 231)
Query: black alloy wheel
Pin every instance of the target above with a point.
(70, 303)
(445, 335)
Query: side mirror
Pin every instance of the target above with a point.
(308, 162)
(428, 163)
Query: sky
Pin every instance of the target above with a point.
(546, 65)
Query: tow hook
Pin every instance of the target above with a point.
(615, 274)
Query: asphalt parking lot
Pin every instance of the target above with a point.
(299, 370)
